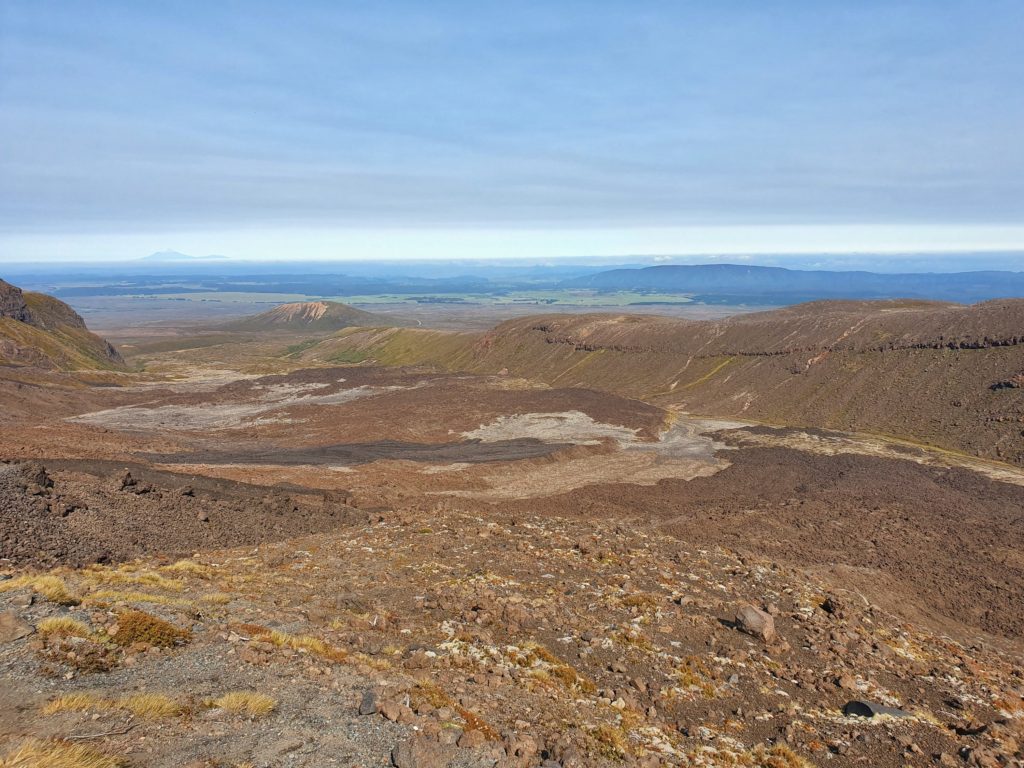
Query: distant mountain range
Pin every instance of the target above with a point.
(733, 283)
(178, 256)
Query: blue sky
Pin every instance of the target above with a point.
(479, 129)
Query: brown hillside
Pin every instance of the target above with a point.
(943, 374)
(40, 331)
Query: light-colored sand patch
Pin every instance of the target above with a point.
(435, 469)
(525, 480)
(225, 415)
(684, 451)
(866, 445)
(565, 427)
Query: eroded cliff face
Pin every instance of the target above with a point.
(12, 303)
(43, 332)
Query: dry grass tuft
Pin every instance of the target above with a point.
(76, 702)
(779, 756)
(151, 705)
(611, 742)
(141, 627)
(246, 703)
(303, 643)
(146, 705)
(35, 753)
(188, 568)
(50, 587)
(63, 625)
(98, 575)
(215, 598)
(118, 596)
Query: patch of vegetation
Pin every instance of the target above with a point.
(303, 643)
(350, 356)
(245, 703)
(188, 568)
(294, 350)
(129, 578)
(107, 596)
(63, 625)
(611, 742)
(50, 587)
(142, 627)
(779, 756)
(145, 705)
(37, 753)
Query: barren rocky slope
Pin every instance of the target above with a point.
(422, 636)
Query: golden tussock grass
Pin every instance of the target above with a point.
(303, 643)
(76, 702)
(245, 703)
(122, 578)
(35, 753)
(52, 588)
(119, 596)
(215, 598)
(63, 625)
(188, 568)
(150, 706)
(611, 741)
(779, 756)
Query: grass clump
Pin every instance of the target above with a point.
(142, 627)
(246, 703)
(50, 587)
(611, 742)
(303, 644)
(36, 753)
(150, 706)
(118, 596)
(126, 577)
(778, 756)
(76, 702)
(188, 568)
(64, 626)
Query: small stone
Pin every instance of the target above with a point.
(847, 682)
(755, 622)
(472, 739)
(12, 628)
(419, 752)
(368, 704)
(203, 516)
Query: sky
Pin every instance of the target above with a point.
(477, 129)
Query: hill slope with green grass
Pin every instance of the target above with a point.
(41, 331)
(947, 375)
(309, 316)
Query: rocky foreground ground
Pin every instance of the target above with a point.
(420, 636)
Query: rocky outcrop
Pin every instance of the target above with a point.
(12, 303)
(40, 331)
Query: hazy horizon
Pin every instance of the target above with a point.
(461, 130)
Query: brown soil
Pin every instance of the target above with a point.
(87, 516)
(931, 542)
